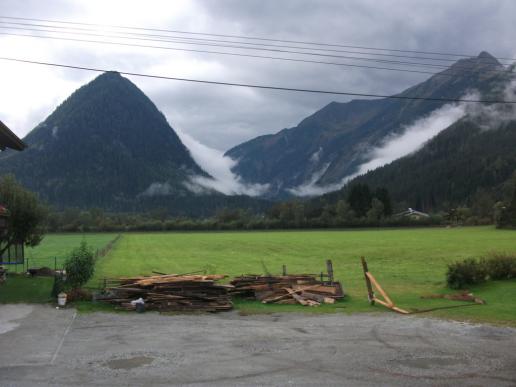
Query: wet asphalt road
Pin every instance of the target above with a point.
(42, 346)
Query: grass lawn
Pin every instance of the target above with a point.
(56, 247)
(407, 262)
(20, 288)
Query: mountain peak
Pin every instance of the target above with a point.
(485, 55)
(103, 146)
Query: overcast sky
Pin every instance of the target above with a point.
(220, 116)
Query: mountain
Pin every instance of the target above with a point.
(108, 146)
(458, 165)
(329, 145)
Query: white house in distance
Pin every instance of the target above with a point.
(413, 214)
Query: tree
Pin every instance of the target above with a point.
(79, 266)
(506, 216)
(27, 216)
(376, 211)
(382, 194)
(344, 211)
(359, 199)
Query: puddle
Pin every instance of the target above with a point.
(127, 364)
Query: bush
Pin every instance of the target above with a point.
(79, 266)
(467, 272)
(500, 266)
(496, 266)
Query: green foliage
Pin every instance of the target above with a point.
(360, 199)
(500, 266)
(462, 165)
(495, 266)
(506, 214)
(27, 216)
(465, 273)
(79, 266)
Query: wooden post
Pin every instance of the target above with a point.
(329, 268)
(370, 294)
(284, 270)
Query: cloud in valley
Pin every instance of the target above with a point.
(218, 167)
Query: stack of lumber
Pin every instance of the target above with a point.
(172, 292)
(302, 289)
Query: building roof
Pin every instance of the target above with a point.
(9, 140)
(410, 212)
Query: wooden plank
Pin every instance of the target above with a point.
(379, 288)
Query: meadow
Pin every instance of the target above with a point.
(55, 248)
(408, 263)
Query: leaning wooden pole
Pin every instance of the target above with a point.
(370, 294)
(372, 285)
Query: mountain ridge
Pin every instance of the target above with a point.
(105, 145)
(330, 144)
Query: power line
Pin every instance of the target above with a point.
(376, 60)
(278, 88)
(250, 38)
(230, 54)
(245, 43)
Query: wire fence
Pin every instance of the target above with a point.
(57, 262)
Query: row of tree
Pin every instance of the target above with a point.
(358, 206)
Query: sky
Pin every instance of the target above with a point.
(216, 118)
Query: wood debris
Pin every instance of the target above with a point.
(170, 293)
(464, 296)
(302, 289)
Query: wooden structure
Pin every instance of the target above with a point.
(9, 140)
(372, 286)
(304, 289)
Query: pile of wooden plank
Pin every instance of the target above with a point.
(302, 289)
(167, 293)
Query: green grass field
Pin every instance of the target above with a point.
(55, 248)
(407, 262)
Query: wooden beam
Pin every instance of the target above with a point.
(370, 293)
(380, 289)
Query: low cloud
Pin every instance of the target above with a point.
(218, 167)
(412, 138)
(495, 115)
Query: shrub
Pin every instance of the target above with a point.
(79, 266)
(500, 266)
(468, 272)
